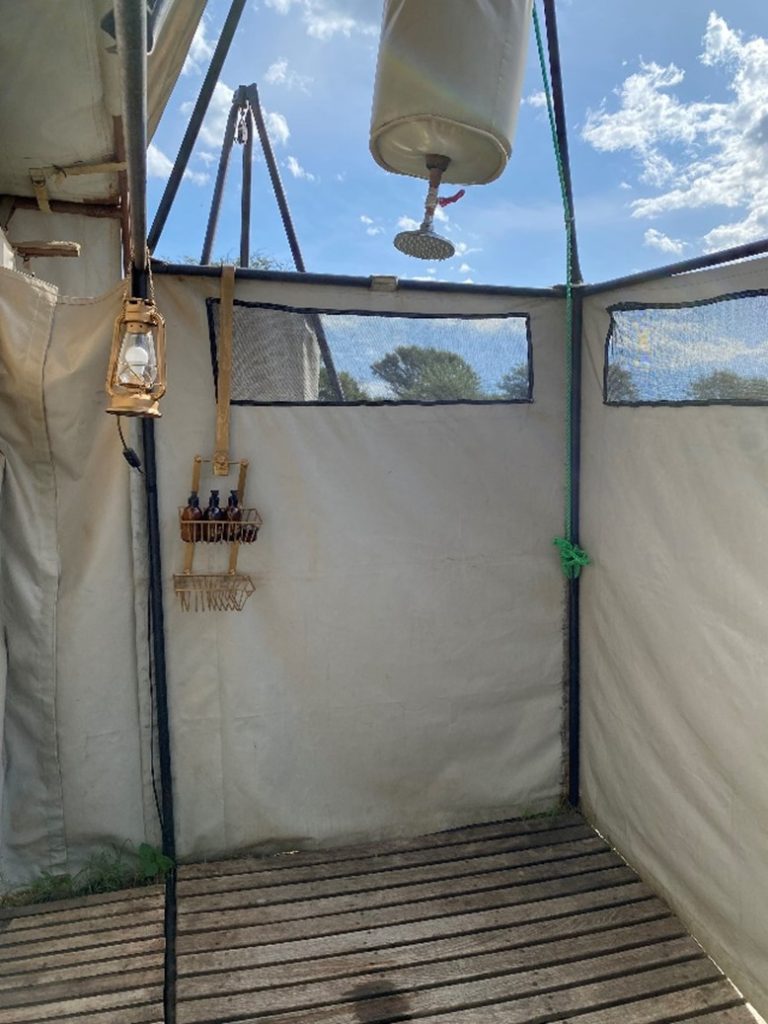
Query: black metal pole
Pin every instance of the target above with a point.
(245, 195)
(290, 233)
(711, 259)
(195, 121)
(221, 175)
(131, 36)
(574, 585)
(558, 101)
(574, 414)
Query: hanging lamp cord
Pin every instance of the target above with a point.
(572, 557)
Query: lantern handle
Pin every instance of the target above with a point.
(224, 376)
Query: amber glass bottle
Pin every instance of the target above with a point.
(190, 517)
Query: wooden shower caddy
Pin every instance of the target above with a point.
(216, 591)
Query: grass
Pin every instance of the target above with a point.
(107, 870)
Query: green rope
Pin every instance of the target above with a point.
(572, 557)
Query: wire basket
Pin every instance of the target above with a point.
(216, 592)
(243, 530)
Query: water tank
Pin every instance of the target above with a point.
(449, 81)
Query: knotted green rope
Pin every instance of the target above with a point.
(572, 557)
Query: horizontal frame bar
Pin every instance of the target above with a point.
(712, 259)
(348, 281)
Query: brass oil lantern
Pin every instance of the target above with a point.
(136, 373)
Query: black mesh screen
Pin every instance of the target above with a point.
(379, 358)
(702, 353)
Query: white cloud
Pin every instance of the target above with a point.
(297, 170)
(370, 227)
(160, 166)
(407, 224)
(536, 99)
(465, 268)
(625, 185)
(324, 19)
(206, 158)
(658, 240)
(200, 50)
(698, 154)
(212, 128)
(441, 216)
(280, 74)
(277, 127)
(468, 280)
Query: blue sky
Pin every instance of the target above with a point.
(667, 104)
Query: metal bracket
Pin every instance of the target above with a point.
(40, 175)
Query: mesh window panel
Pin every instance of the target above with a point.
(699, 353)
(378, 357)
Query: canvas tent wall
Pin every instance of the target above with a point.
(674, 652)
(390, 674)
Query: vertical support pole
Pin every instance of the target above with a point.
(573, 426)
(245, 195)
(574, 585)
(221, 175)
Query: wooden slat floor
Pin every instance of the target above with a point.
(514, 922)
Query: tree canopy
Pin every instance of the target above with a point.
(620, 386)
(515, 385)
(418, 374)
(724, 386)
(353, 392)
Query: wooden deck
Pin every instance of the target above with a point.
(509, 923)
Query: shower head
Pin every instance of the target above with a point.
(424, 244)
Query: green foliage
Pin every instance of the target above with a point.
(427, 375)
(153, 864)
(353, 392)
(620, 386)
(515, 384)
(105, 871)
(724, 386)
(256, 261)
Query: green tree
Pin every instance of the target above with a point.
(419, 374)
(515, 385)
(724, 386)
(620, 387)
(353, 391)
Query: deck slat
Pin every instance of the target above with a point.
(374, 880)
(522, 1004)
(522, 879)
(525, 828)
(412, 932)
(297, 870)
(548, 963)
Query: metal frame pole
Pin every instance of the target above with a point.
(131, 35)
(574, 420)
(221, 174)
(245, 195)
(195, 122)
